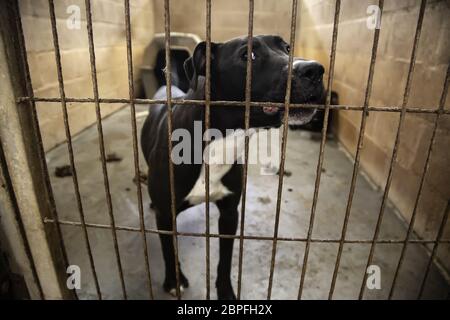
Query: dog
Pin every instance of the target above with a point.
(270, 60)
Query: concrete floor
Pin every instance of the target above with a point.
(301, 160)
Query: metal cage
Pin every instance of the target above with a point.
(25, 98)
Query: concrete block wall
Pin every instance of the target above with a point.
(351, 72)
(147, 17)
(111, 58)
(229, 18)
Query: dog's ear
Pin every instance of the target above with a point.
(190, 71)
(195, 65)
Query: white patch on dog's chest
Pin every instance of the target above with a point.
(216, 189)
(223, 153)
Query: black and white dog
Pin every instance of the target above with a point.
(228, 75)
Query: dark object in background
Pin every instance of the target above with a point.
(142, 178)
(177, 58)
(286, 173)
(5, 280)
(316, 123)
(12, 285)
(113, 157)
(63, 171)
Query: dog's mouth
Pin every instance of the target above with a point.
(302, 116)
(297, 116)
(270, 111)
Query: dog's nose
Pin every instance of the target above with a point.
(311, 70)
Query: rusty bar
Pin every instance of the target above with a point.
(239, 104)
(41, 152)
(169, 142)
(434, 250)
(422, 180)
(14, 227)
(225, 236)
(396, 144)
(358, 152)
(248, 88)
(322, 147)
(207, 125)
(102, 144)
(69, 144)
(135, 145)
(283, 145)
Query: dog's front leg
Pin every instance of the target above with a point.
(228, 222)
(164, 222)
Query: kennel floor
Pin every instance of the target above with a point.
(301, 160)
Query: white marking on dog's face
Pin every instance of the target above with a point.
(223, 153)
(301, 120)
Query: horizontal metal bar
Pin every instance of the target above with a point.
(246, 237)
(236, 104)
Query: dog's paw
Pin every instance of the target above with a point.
(170, 285)
(173, 291)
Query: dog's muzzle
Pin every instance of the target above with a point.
(270, 110)
(302, 117)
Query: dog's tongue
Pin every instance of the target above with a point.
(270, 110)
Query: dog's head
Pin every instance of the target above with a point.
(270, 60)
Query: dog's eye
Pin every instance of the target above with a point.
(288, 48)
(244, 56)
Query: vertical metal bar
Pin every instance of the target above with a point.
(434, 250)
(69, 144)
(422, 181)
(248, 90)
(358, 152)
(36, 127)
(322, 147)
(283, 145)
(102, 145)
(169, 142)
(396, 144)
(14, 227)
(207, 125)
(135, 145)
